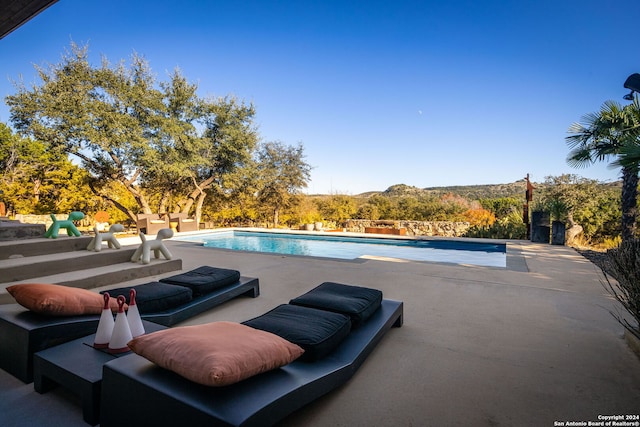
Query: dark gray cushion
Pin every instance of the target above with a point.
(318, 332)
(357, 302)
(205, 279)
(155, 297)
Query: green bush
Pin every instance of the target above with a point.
(501, 206)
(508, 227)
(499, 231)
(623, 265)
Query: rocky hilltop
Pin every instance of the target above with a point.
(514, 189)
(472, 192)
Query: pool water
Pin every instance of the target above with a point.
(449, 251)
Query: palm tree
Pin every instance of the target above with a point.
(630, 153)
(611, 132)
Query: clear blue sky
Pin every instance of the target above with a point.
(423, 93)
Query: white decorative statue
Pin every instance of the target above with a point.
(109, 237)
(144, 250)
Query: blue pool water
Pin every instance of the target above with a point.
(329, 246)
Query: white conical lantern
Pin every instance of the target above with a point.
(121, 332)
(133, 316)
(105, 325)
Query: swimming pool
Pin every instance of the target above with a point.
(343, 247)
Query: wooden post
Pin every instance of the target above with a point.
(528, 198)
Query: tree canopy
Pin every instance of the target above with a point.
(129, 130)
(281, 174)
(35, 180)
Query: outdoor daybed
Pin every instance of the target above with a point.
(24, 332)
(136, 391)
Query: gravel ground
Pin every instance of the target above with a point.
(595, 257)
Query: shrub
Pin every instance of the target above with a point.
(499, 230)
(509, 227)
(612, 242)
(502, 206)
(623, 265)
(480, 217)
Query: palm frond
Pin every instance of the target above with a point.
(580, 158)
(611, 108)
(604, 134)
(629, 155)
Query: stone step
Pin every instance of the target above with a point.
(41, 246)
(15, 230)
(100, 276)
(66, 261)
(15, 269)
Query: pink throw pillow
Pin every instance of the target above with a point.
(58, 300)
(216, 354)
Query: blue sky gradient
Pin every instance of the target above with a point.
(423, 93)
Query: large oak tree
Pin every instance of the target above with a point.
(159, 141)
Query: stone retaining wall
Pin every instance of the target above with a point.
(46, 219)
(413, 228)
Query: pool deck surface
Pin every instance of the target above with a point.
(529, 345)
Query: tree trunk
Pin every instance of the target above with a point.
(629, 202)
(276, 216)
(117, 204)
(128, 184)
(142, 201)
(36, 191)
(199, 205)
(196, 193)
(164, 201)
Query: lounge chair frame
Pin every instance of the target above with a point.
(150, 395)
(23, 333)
(248, 286)
(183, 225)
(149, 225)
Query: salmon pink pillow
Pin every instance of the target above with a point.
(216, 354)
(58, 300)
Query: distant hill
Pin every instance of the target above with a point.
(472, 192)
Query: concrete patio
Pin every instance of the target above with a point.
(528, 345)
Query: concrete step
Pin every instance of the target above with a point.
(99, 276)
(15, 269)
(15, 230)
(41, 246)
(66, 261)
